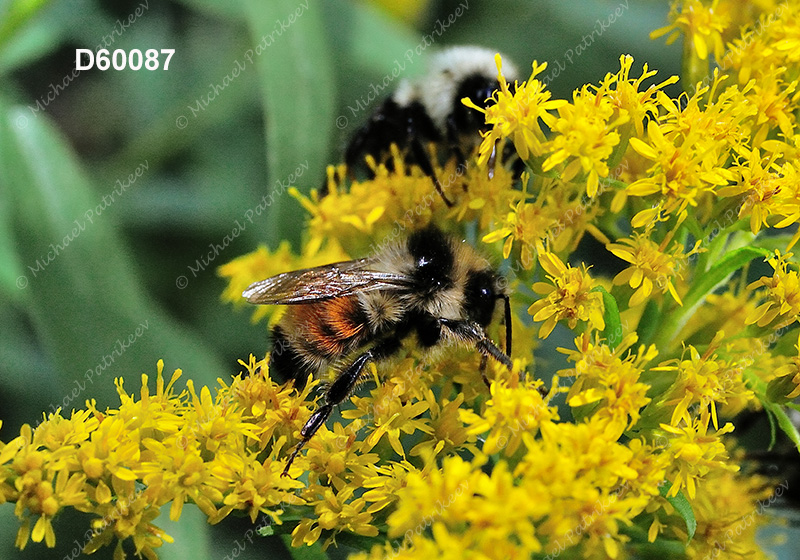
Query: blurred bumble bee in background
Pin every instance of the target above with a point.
(429, 110)
(347, 314)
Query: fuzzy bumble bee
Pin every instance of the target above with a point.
(345, 315)
(429, 110)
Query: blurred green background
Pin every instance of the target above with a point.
(84, 262)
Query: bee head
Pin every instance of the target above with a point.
(433, 260)
(481, 294)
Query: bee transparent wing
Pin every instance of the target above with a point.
(324, 282)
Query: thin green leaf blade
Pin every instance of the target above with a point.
(87, 305)
(784, 422)
(613, 330)
(293, 61)
(682, 506)
(727, 265)
(16, 15)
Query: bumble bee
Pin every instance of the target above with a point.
(430, 110)
(348, 314)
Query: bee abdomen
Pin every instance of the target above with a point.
(286, 363)
(324, 332)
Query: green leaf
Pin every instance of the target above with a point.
(776, 414)
(661, 548)
(293, 59)
(10, 267)
(717, 274)
(374, 40)
(86, 304)
(649, 322)
(779, 415)
(703, 285)
(682, 506)
(191, 534)
(17, 14)
(613, 330)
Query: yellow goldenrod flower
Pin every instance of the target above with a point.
(585, 483)
(699, 22)
(705, 380)
(762, 182)
(683, 170)
(723, 114)
(609, 381)
(510, 412)
(448, 433)
(586, 133)
(651, 266)
(466, 510)
(486, 198)
(568, 295)
(777, 102)
(527, 223)
(382, 483)
(695, 452)
(124, 464)
(728, 504)
(335, 510)
(781, 293)
(703, 26)
(625, 95)
(768, 44)
(516, 115)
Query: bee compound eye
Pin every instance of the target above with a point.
(480, 296)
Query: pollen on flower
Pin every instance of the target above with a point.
(696, 452)
(586, 136)
(650, 266)
(516, 115)
(569, 295)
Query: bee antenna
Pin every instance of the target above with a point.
(508, 323)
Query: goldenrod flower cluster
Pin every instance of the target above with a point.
(624, 448)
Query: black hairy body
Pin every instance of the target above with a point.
(430, 110)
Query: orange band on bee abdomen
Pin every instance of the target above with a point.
(332, 327)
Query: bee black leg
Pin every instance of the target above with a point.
(452, 137)
(336, 393)
(339, 390)
(421, 158)
(317, 419)
(486, 381)
(471, 332)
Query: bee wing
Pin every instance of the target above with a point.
(324, 282)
